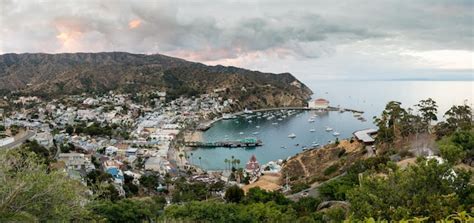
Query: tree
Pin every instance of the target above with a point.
(452, 153)
(226, 161)
(424, 189)
(200, 164)
(149, 181)
(181, 158)
(234, 194)
(459, 117)
(31, 192)
(458, 146)
(390, 122)
(428, 110)
(128, 210)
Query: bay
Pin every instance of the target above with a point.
(368, 96)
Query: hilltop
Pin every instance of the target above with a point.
(53, 75)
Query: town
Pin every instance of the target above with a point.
(130, 138)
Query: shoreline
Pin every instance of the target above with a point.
(197, 134)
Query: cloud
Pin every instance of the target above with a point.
(134, 24)
(393, 33)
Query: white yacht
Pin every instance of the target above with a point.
(336, 133)
(312, 130)
(328, 129)
(292, 136)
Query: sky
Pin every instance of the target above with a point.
(312, 39)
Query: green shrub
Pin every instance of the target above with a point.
(331, 169)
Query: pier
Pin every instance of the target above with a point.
(249, 142)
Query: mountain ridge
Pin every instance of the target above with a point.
(50, 75)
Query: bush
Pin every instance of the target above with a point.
(299, 187)
(234, 194)
(331, 169)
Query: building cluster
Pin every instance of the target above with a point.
(119, 134)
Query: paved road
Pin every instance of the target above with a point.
(19, 140)
(312, 191)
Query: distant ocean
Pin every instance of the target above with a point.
(372, 96)
(368, 96)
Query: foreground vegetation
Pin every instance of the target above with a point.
(372, 189)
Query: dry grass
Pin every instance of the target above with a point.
(309, 166)
(266, 182)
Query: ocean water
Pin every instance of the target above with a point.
(370, 97)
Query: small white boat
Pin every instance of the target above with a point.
(257, 126)
(241, 133)
(280, 119)
(250, 121)
(275, 123)
(310, 120)
(312, 130)
(292, 136)
(256, 133)
(328, 129)
(227, 116)
(336, 133)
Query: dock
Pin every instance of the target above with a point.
(230, 144)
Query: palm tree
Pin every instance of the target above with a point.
(238, 162)
(226, 161)
(181, 158)
(233, 164)
(232, 161)
(200, 164)
(191, 154)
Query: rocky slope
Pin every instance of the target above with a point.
(52, 75)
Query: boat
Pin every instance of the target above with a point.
(328, 129)
(280, 119)
(256, 133)
(227, 116)
(336, 133)
(250, 121)
(275, 123)
(310, 120)
(257, 126)
(283, 147)
(241, 133)
(312, 130)
(292, 136)
(246, 111)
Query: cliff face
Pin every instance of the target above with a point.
(51, 75)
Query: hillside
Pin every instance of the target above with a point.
(52, 75)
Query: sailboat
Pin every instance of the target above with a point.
(292, 136)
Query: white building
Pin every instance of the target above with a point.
(319, 103)
(76, 161)
(111, 150)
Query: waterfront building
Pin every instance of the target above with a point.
(319, 103)
(252, 167)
